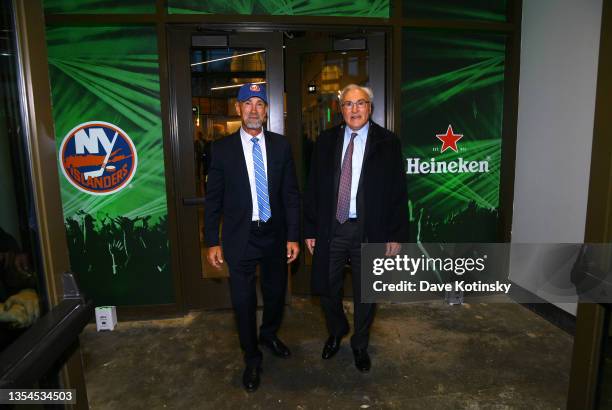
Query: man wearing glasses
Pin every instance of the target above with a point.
(356, 193)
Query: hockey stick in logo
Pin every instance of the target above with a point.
(95, 174)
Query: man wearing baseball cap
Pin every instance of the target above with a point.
(252, 185)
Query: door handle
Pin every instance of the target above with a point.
(195, 201)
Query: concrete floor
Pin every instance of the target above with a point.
(424, 356)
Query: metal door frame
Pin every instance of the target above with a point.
(199, 293)
(379, 79)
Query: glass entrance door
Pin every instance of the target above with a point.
(318, 66)
(206, 72)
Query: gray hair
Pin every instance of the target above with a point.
(350, 87)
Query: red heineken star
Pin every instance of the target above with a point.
(449, 140)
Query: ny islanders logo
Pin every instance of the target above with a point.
(98, 158)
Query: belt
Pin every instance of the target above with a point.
(350, 220)
(259, 223)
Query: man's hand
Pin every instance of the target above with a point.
(293, 250)
(392, 248)
(21, 309)
(16, 317)
(215, 256)
(310, 244)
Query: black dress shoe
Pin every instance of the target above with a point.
(331, 347)
(250, 378)
(362, 360)
(276, 346)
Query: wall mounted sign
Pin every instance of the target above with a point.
(98, 158)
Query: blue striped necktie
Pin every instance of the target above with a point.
(261, 182)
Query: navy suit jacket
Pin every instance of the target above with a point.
(228, 195)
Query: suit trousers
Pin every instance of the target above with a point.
(263, 249)
(345, 246)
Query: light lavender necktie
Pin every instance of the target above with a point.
(344, 191)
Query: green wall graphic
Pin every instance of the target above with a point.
(456, 79)
(485, 10)
(118, 243)
(99, 6)
(357, 8)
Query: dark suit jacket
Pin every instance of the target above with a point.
(382, 204)
(229, 195)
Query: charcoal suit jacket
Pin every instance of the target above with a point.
(382, 205)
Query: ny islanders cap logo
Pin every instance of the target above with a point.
(98, 158)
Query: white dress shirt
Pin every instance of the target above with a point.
(358, 152)
(247, 148)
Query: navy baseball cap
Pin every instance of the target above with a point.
(249, 90)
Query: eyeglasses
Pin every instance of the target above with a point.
(359, 104)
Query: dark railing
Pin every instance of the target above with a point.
(44, 346)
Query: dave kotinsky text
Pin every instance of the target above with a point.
(403, 273)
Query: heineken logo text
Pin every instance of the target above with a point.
(461, 166)
(455, 166)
